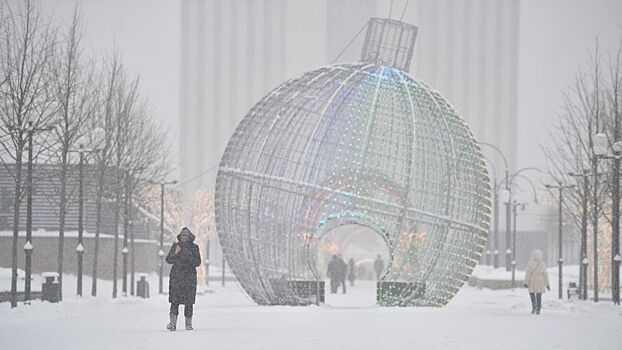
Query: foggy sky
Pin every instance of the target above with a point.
(555, 40)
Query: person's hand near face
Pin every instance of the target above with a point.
(184, 239)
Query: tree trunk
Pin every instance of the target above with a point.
(16, 206)
(116, 234)
(126, 219)
(98, 226)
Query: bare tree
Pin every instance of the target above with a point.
(591, 106)
(613, 130)
(41, 82)
(104, 132)
(27, 102)
(135, 150)
(74, 91)
(126, 97)
(146, 159)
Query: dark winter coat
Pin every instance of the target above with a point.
(333, 269)
(337, 269)
(351, 270)
(343, 269)
(182, 285)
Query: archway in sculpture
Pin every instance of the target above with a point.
(362, 244)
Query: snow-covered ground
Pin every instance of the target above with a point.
(226, 319)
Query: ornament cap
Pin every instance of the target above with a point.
(389, 42)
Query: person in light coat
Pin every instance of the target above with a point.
(536, 280)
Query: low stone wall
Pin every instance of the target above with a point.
(6, 296)
(493, 284)
(45, 255)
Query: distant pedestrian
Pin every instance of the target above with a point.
(536, 279)
(333, 274)
(182, 286)
(343, 271)
(378, 267)
(351, 271)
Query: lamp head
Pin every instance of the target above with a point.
(600, 144)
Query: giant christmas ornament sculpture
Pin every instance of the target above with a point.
(355, 143)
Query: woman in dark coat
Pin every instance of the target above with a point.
(182, 286)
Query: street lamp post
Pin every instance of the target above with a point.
(601, 151)
(493, 241)
(495, 261)
(223, 267)
(595, 211)
(584, 264)
(616, 278)
(560, 261)
(161, 252)
(125, 251)
(508, 223)
(515, 205)
(510, 254)
(80, 247)
(615, 232)
(584, 219)
(132, 258)
(126, 222)
(615, 222)
(514, 244)
(495, 252)
(28, 246)
(595, 227)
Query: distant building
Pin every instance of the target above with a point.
(234, 52)
(468, 50)
(45, 222)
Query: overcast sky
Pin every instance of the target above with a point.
(556, 39)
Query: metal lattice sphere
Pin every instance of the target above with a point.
(357, 143)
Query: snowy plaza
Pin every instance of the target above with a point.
(227, 319)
